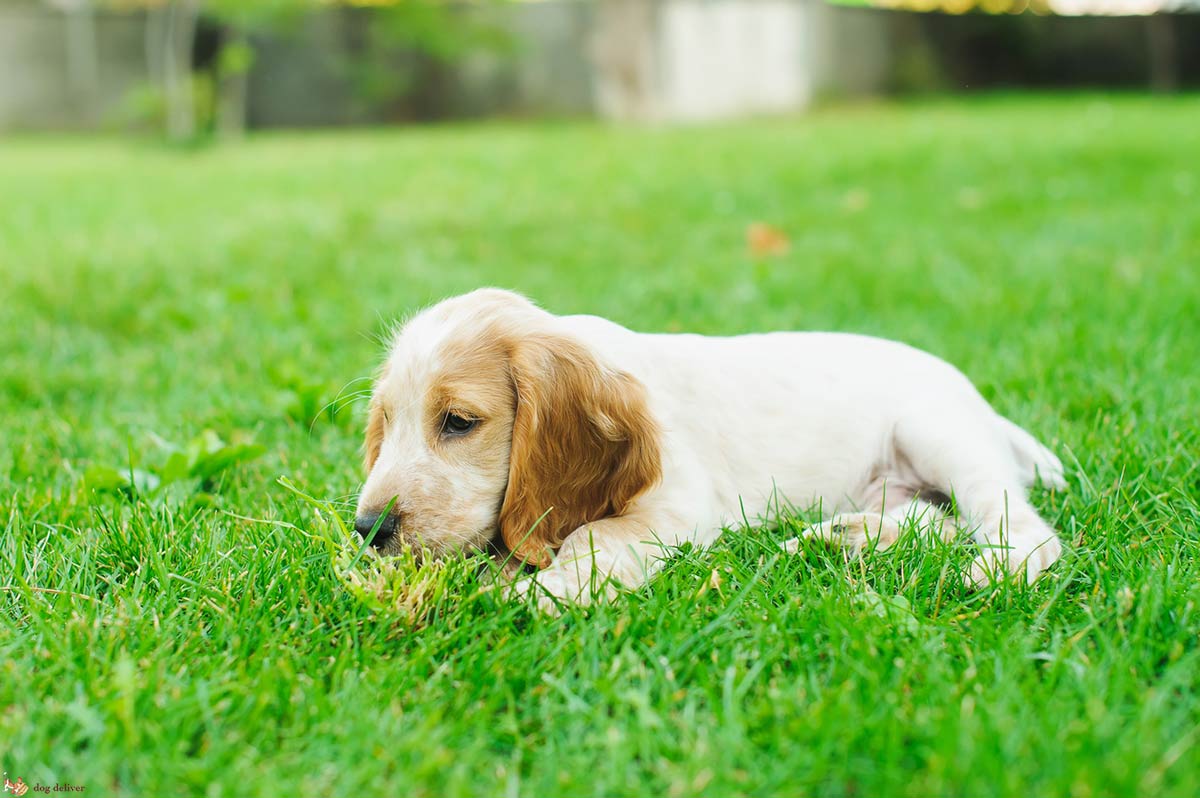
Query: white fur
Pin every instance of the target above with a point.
(860, 426)
(814, 418)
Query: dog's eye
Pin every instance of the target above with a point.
(457, 425)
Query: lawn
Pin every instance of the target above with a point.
(181, 329)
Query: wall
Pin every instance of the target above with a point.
(40, 87)
(621, 59)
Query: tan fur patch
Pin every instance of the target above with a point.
(474, 383)
(374, 437)
(584, 444)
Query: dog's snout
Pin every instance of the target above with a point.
(365, 524)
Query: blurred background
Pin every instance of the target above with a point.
(198, 69)
(213, 212)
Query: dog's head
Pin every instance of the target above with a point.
(489, 423)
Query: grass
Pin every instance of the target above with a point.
(178, 330)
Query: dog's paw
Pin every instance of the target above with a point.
(554, 588)
(857, 532)
(1000, 564)
(549, 592)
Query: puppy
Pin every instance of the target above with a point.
(587, 450)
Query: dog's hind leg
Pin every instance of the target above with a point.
(966, 456)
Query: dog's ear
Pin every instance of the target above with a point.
(584, 445)
(374, 437)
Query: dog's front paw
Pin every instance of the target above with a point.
(554, 588)
(551, 590)
(1001, 563)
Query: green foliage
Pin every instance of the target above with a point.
(199, 463)
(235, 58)
(142, 108)
(204, 100)
(407, 47)
(308, 400)
(151, 644)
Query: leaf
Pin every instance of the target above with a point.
(107, 479)
(202, 446)
(104, 478)
(764, 240)
(215, 461)
(896, 610)
(175, 469)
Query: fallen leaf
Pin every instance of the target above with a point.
(764, 240)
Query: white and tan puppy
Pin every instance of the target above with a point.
(588, 450)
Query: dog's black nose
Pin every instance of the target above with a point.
(364, 524)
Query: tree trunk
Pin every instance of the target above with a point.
(155, 42)
(179, 43)
(231, 113)
(232, 79)
(83, 62)
(624, 52)
(1163, 56)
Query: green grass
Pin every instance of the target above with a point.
(192, 636)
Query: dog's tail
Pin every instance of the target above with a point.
(1037, 463)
